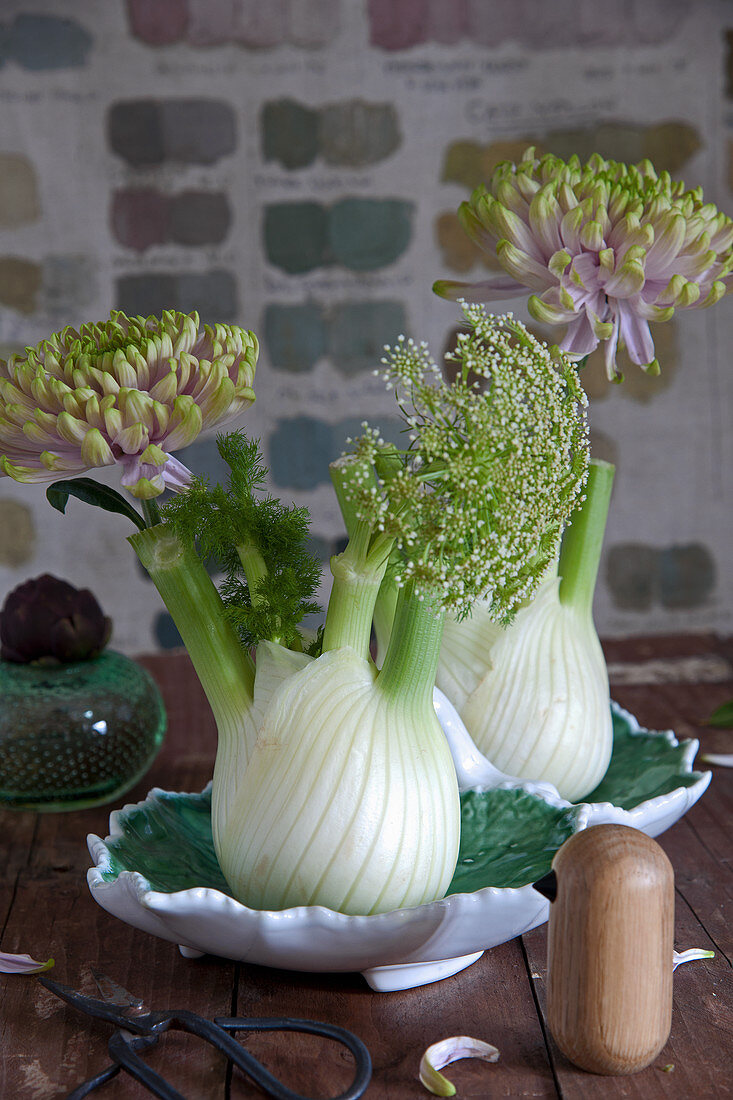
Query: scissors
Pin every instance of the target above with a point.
(139, 1029)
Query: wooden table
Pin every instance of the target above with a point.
(46, 910)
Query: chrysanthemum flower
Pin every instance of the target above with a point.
(126, 391)
(605, 247)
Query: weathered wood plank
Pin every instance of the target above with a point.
(16, 843)
(46, 1048)
(699, 846)
(49, 1048)
(701, 1042)
(491, 1000)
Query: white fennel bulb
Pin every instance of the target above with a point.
(534, 696)
(464, 653)
(541, 711)
(349, 799)
(238, 732)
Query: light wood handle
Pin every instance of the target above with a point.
(610, 950)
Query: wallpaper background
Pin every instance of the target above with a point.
(295, 168)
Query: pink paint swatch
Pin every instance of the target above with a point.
(159, 23)
(249, 23)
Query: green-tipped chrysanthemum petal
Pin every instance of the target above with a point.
(128, 390)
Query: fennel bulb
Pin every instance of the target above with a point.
(349, 799)
(535, 696)
(334, 783)
(541, 711)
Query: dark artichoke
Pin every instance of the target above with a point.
(48, 619)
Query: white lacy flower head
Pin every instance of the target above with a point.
(126, 391)
(496, 463)
(605, 247)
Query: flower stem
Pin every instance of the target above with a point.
(582, 541)
(353, 595)
(151, 512)
(359, 570)
(225, 670)
(384, 613)
(411, 662)
(345, 476)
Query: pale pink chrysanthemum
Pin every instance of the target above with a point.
(126, 391)
(605, 247)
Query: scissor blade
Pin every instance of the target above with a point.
(115, 994)
(135, 1019)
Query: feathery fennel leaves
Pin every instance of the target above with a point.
(260, 544)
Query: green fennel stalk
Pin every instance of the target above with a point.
(582, 541)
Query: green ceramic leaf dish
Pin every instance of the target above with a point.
(508, 838)
(158, 872)
(644, 765)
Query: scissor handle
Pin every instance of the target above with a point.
(120, 1052)
(362, 1058)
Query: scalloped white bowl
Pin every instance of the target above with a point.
(397, 950)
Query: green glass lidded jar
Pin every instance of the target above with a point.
(78, 726)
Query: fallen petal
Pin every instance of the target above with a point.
(451, 1050)
(22, 964)
(722, 759)
(690, 956)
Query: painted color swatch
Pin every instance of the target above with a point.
(359, 234)
(355, 134)
(166, 632)
(366, 234)
(458, 251)
(69, 284)
(669, 145)
(142, 217)
(296, 337)
(19, 201)
(677, 577)
(213, 294)
(352, 334)
(300, 449)
(359, 331)
(296, 236)
(352, 134)
(158, 24)
(249, 23)
(401, 24)
(20, 282)
(188, 131)
(289, 133)
(17, 533)
(41, 42)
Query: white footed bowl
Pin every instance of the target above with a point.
(157, 870)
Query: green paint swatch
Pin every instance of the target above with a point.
(289, 133)
(367, 234)
(295, 336)
(296, 236)
(359, 234)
